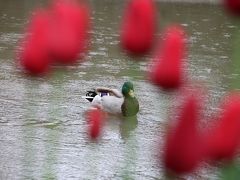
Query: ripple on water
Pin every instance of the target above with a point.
(10, 38)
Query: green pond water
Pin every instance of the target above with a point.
(42, 124)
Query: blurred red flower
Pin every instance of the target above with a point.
(232, 6)
(138, 26)
(58, 34)
(183, 147)
(70, 23)
(167, 71)
(34, 57)
(224, 140)
(95, 119)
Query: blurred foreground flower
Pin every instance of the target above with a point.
(58, 34)
(70, 23)
(232, 6)
(34, 56)
(95, 119)
(183, 147)
(223, 141)
(167, 71)
(138, 26)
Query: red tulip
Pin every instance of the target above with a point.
(183, 150)
(138, 26)
(95, 120)
(168, 70)
(34, 56)
(233, 6)
(70, 23)
(224, 140)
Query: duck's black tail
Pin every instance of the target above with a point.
(90, 95)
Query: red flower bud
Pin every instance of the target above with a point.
(34, 57)
(70, 24)
(233, 6)
(138, 26)
(183, 149)
(224, 140)
(95, 120)
(168, 70)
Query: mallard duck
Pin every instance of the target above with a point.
(113, 101)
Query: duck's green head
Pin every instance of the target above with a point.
(127, 89)
(130, 106)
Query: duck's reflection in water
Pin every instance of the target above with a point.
(127, 125)
(127, 132)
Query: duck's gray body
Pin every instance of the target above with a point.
(110, 104)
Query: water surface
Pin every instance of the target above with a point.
(42, 125)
